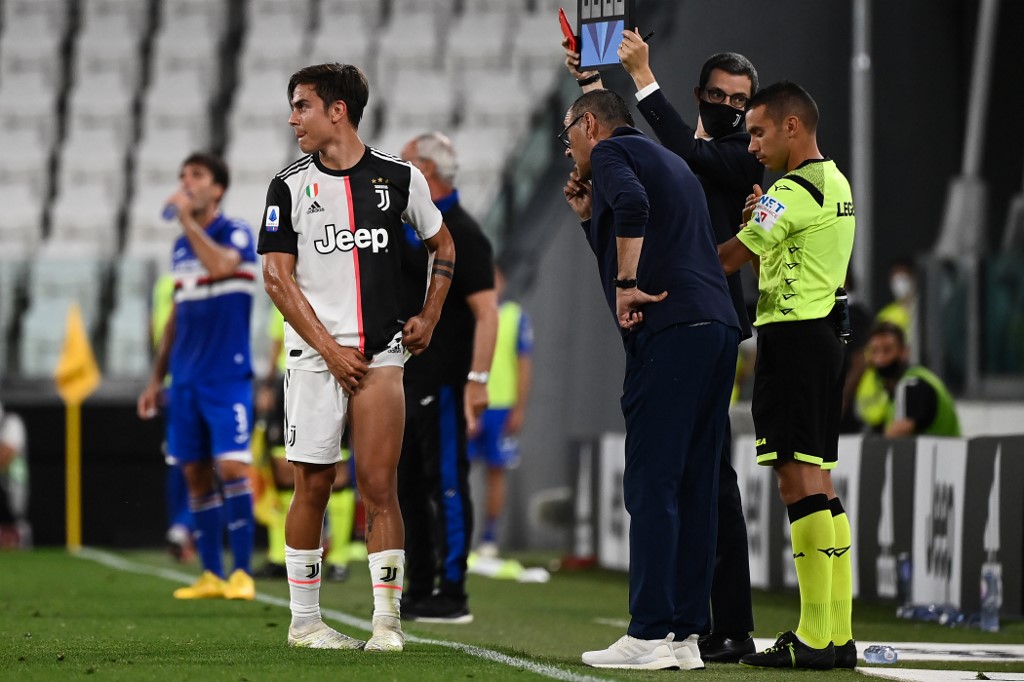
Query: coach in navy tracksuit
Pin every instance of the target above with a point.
(646, 218)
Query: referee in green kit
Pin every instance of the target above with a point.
(802, 230)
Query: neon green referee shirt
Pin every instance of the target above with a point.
(802, 229)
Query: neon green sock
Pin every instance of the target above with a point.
(842, 578)
(341, 510)
(275, 532)
(813, 538)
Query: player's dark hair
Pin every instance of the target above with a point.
(605, 105)
(218, 169)
(889, 328)
(732, 63)
(334, 82)
(784, 99)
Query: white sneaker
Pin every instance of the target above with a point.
(630, 653)
(321, 636)
(688, 654)
(387, 635)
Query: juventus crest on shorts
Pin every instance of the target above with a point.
(344, 228)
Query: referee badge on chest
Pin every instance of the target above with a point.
(380, 186)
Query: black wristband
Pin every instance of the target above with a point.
(624, 283)
(588, 80)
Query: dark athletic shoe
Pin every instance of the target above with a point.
(789, 652)
(438, 608)
(846, 655)
(716, 648)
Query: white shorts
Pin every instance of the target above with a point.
(316, 409)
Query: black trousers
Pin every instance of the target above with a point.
(433, 491)
(731, 608)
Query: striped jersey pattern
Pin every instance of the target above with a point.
(345, 230)
(211, 327)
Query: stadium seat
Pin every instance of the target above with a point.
(537, 52)
(52, 281)
(47, 19)
(246, 201)
(478, 42)
(85, 217)
(22, 216)
(420, 99)
(21, 113)
(345, 38)
(158, 159)
(25, 158)
(110, 47)
(128, 343)
(95, 157)
(179, 101)
(101, 100)
(393, 138)
(254, 156)
(372, 12)
(510, 7)
(497, 100)
(482, 150)
(413, 40)
(261, 101)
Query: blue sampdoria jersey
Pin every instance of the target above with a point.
(211, 332)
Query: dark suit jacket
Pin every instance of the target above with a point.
(725, 168)
(640, 189)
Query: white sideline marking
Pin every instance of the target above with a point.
(121, 564)
(921, 675)
(937, 651)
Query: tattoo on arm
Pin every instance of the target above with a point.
(447, 263)
(441, 271)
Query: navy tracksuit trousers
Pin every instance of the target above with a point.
(676, 405)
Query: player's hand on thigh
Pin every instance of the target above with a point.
(348, 366)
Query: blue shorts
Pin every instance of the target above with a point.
(492, 444)
(206, 421)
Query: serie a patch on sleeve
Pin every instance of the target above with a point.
(767, 212)
(273, 220)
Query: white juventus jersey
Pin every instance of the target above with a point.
(344, 228)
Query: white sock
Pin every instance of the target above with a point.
(387, 575)
(304, 584)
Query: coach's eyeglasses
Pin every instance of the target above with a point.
(716, 96)
(563, 136)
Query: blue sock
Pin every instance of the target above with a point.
(490, 533)
(206, 511)
(178, 512)
(240, 523)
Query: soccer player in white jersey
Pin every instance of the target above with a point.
(330, 239)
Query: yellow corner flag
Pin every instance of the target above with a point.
(77, 376)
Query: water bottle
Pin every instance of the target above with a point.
(904, 577)
(991, 598)
(170, 212)
(842, 316)
(880, 654)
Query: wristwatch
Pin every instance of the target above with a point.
(624, 283)
(479, 377)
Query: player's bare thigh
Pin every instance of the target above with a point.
(377, 421)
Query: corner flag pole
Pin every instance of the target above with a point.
(77, 376)
(73, 476)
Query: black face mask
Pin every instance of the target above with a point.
(894, 370)
(720, 119)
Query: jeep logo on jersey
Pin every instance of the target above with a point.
(341, 239)
(380, 186)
